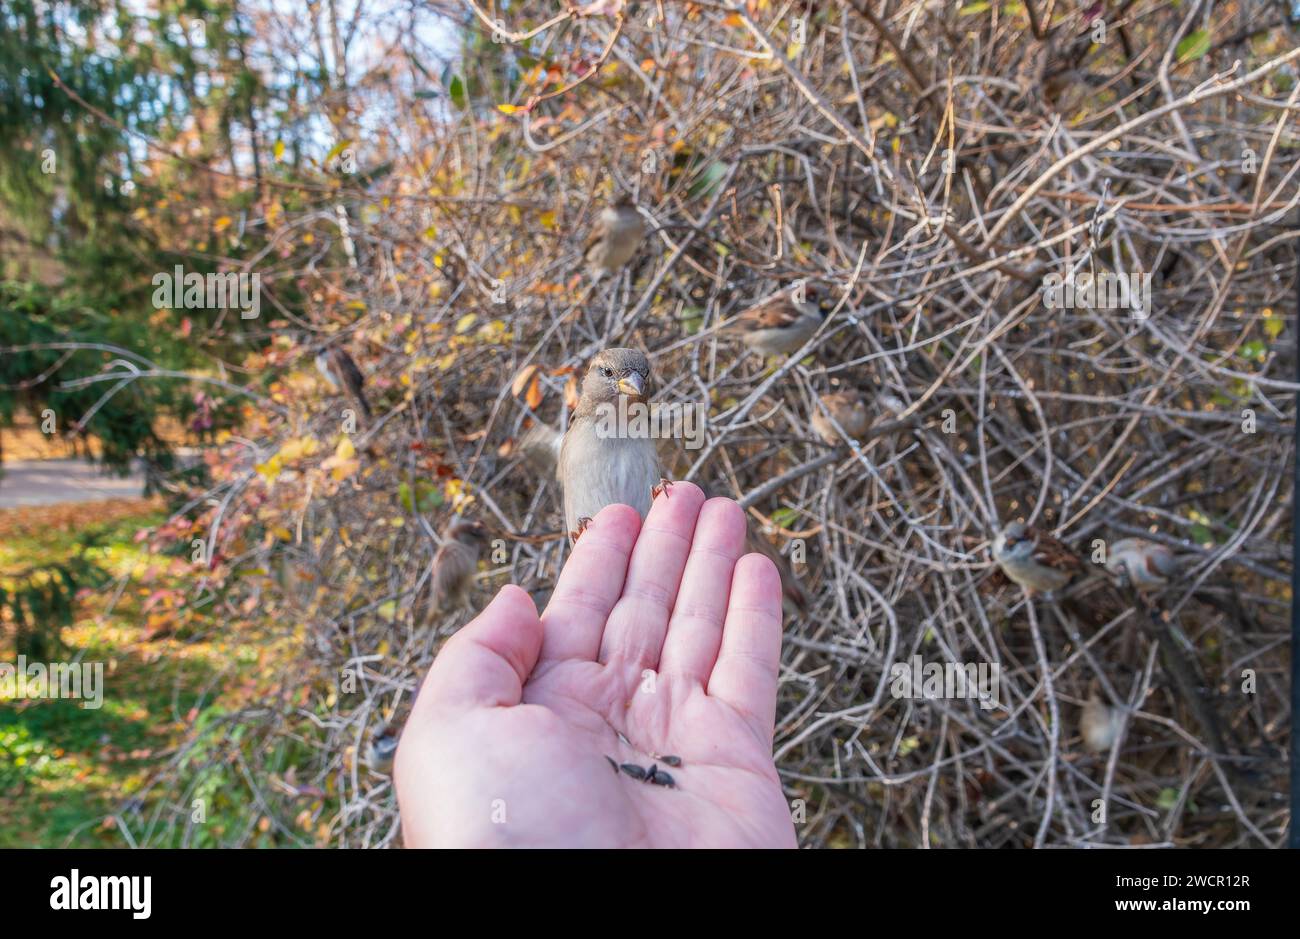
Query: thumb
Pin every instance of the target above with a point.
(488, 661)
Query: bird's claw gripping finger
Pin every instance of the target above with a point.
(582, 526)
(664, 486)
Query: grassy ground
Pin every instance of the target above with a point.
(65, 771)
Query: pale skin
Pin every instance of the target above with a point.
(663, 632)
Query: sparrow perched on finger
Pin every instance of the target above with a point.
(456, 562)
(614, 238)
(1145, 565)
(342, 374)
(1035, 559)
(779, 324)
(599, 468)
(849, 410)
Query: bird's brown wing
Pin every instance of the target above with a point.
(774, 313)
(841, 404)
(350, 377)
(994, 581)
(347, 370)
(1052, 553)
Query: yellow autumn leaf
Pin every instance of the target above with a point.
(298, 448)
(269, 470)
(222, 223)
(547, 219)
(465, 322)
(457, 492)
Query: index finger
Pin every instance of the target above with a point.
(589, 585)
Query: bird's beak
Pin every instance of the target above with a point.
(632, 385)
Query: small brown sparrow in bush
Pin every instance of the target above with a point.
(849, 409)
(1145, 565)
(614, 238)
(455, 563)
(382, 749)
(598, 468)
(779, 324)
(1035, 559)
(1099, 724)
(342, 374)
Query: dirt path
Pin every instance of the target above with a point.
(50, 482)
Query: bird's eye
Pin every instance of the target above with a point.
(607, 372)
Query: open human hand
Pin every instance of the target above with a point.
(662, 633)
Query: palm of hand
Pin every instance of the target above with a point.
(489, 759)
